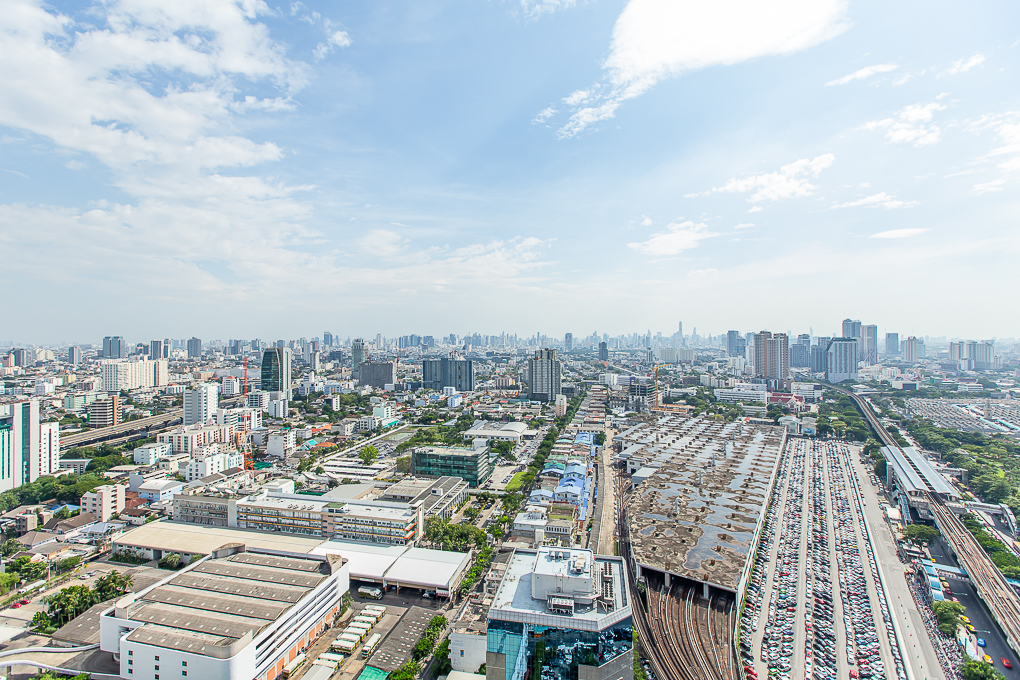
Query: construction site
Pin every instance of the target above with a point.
(688, 527)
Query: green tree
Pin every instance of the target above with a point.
(404, 464)
(41, 621)
(368, 454)
(880, 467)
(444, 665)
(113, 585)
(171, 561)
(948, 615)
(11, 546)
(921, 533)
(972, 669)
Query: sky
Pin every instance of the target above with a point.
(256, 169)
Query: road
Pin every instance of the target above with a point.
(102, 434)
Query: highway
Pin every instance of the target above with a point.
(141, 427)
(988, 581)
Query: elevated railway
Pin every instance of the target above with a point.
(989, 583)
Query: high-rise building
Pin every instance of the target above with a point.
(114, 347)
(544, 373)
(984, 356)
(200, 403)
(851, 328)
(448, 372)
(74, 355)
(869, 343)
(841, 360)
(327, 338)
(104, 412)
(357, 354)
(156, 349)
(29, 449)
(892, 344)
(377, 374)
(568, 341)
(195, 348)
(130, 374)
(956, 350)
(731, 343)
(772, 355)
(820, 355)
(276, 363)
(603, 351)
(910, 349)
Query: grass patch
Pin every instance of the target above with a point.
(516, 482)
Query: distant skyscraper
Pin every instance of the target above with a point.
(869, 343)
(200, 403)
(156, 349)
(74, 355)
(841, 360)
(568, 341)
(276, 370)
(603, 351)
(327, 338)
(194, 348)
(544, 375)
(731, 343)
(357, 354)
(892, 344)
(984, 356)
(772, 355)
(910, 349)
(819, 355)
(448, 372)
(851, 328)
(114, 347)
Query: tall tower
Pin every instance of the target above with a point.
(276, 370)
(357, 354)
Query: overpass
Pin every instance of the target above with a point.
(991, 586)
(133, 429)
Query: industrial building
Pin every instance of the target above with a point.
(552, 599)
(697, 514)
(241, 612)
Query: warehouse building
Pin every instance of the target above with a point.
(239, 613)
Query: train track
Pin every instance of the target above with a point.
(989, 582)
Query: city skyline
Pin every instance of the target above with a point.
(535, 164)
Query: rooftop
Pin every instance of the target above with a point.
(696, 514)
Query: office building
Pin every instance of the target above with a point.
(74, 355)
(130, 374)
(735, 344)
(568, 341)
(357, 354)
(377, 374)
(240, 612)
(892, 344)
(104, 501)
(820, 355)
(841, 360)
(772, 355)
(910, 350)
(29, 448)
(327, 338)
(560, 598)
(544, 371)
(114, 347)
(276, 366)
(603, 351)
(869, 343)
(851, 329)
(200, 403)
(983, 354)
(448, 372)
(195, 348)
(156, 350)
(471, 465)
(104, 412)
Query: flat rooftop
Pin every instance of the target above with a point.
(396, 647)
(916, 473)
(191, 539)
(696, 514)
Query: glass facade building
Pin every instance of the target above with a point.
(275, 375)
(471, 465)
(556, 653)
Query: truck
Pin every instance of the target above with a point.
(368, 591)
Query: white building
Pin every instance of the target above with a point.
(211, 461)
(281, 443)
(841, 360)
(241, 419)
(150, 454)
(258, 400)
(200, 403)
(29, 449)
(130, 374)
(278, 408)
(188, 438)
(179, 628)
(230, 386)
(104, 501)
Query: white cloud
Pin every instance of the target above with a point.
(989, 187)
(544, 115)
(678, 237)
(898, 233)
(658, 39)
(964, 65)
(790, 181)
(533, 9)
(76, 165)
(881, 200)
(334, 39)
(646, 221)
(912, 124)
(744, 225)
(863, 73)
(755, 209)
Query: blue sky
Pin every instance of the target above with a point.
(240, 169)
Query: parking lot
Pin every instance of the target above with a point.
(814, 607)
